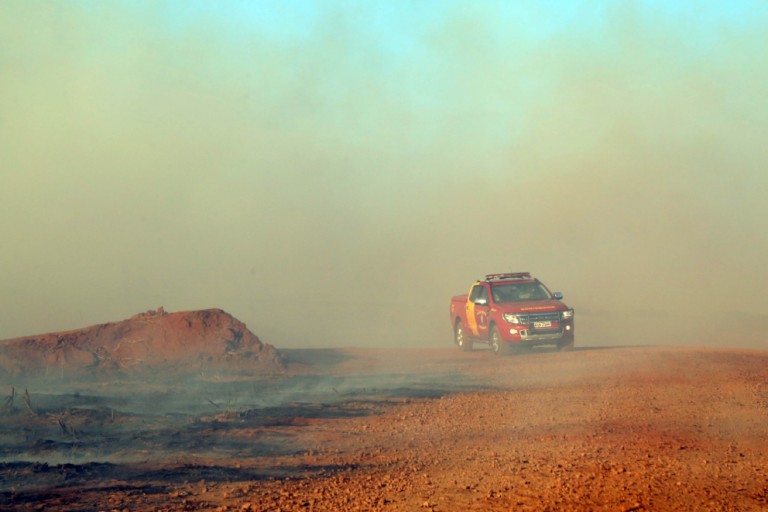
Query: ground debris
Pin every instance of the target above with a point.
(8, 406)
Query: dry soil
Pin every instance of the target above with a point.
(619, 429)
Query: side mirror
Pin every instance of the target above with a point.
(559, 295)
(481, 302)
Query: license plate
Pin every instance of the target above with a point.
(541, 325)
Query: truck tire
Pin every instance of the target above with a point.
(494, 340)
(565, 346)
(460, 337)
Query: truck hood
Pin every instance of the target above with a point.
(533, 306)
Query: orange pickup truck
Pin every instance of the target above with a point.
(511, 310)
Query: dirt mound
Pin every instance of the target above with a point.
(186, 341)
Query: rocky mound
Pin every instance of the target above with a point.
(202, 341)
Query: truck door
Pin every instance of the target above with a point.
(478, 310)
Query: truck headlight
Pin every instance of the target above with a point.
(568, 313)
(512, 318)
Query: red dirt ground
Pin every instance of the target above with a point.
(619, 429)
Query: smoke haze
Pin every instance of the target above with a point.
(331, 175)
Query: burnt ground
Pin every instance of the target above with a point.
(620, 429)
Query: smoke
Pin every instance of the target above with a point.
(332, 177)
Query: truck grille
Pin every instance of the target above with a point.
(529, 318)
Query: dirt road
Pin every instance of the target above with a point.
(619, 429)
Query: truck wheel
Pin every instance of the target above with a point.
(461, 338)
(565, 346)
(494, 339)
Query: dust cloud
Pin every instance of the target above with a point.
(332, 177)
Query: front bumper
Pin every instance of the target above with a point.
(549, 338)
(524, 334)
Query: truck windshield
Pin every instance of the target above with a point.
(518, 292)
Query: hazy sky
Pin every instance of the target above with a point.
(330, 173)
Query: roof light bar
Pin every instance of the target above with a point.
(511, 275)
